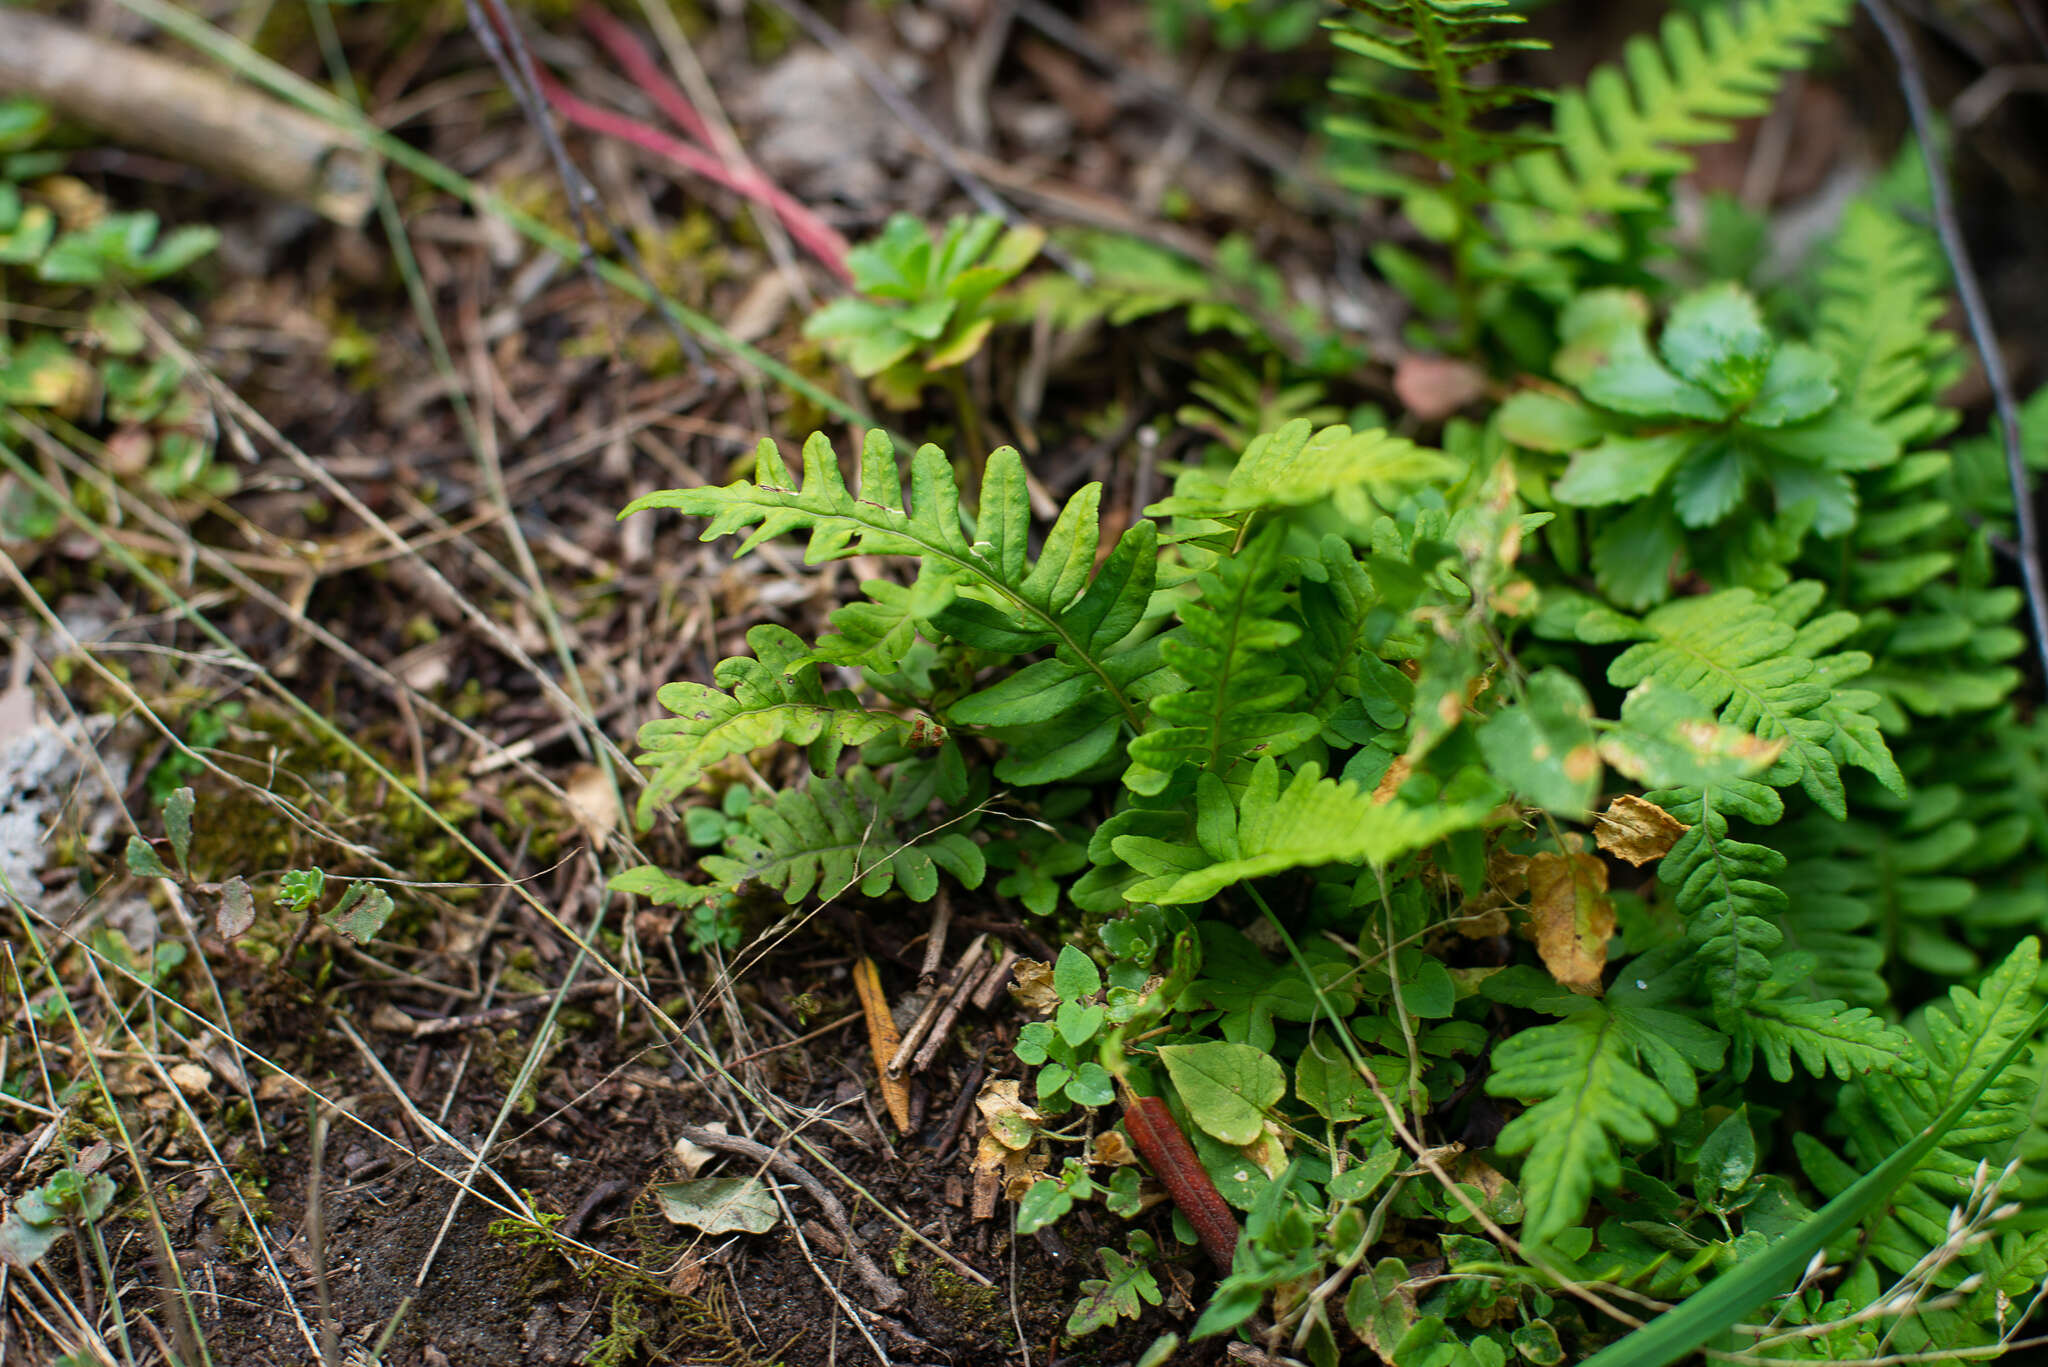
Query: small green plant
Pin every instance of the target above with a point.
(358, 915)
(153, 422)
(1586, 854)
(41, 1215)
(1689, 436)
(921, 307)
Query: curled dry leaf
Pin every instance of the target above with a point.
(1573, 917)
(191, 1078)
(1011, 1129)
(690, 1157)
(1637, 831)
(882, 1040)
(1032, 987)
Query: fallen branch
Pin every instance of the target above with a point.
(186, 113)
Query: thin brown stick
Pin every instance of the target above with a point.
(965, 974)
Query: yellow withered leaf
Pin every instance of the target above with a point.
(1572, 916)
(1637, 831)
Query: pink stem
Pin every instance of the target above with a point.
(813, 233)
(640, 66)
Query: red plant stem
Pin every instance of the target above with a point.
(1160, 1143)
(815, 235)
(641, 68)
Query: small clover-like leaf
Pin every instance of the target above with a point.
(301, 888)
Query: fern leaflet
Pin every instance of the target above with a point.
(1588, 1095)
(1312, 820)
(773, 697)
(1883, 1112)
(1623, 131)
(838, 833)
(1747, 657)
(1826, 1036)
(1229, 650)
(996, 597)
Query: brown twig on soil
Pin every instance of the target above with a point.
(1982, 331)
(985, 994)
(187, 113)
(964, 975)
(887, 1291)
(942, 1028)
(500, 1015)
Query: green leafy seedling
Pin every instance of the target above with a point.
(922, 306)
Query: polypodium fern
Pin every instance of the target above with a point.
(837, 834)
(1067, 711)
(776, 696)
(1724, 888)
(1312, 820)
(1959, 1043)
(1445, 41)
(1588, 1095)
(1825, 1036)
(1622, 133)
(1228, 649)
(1760, 663)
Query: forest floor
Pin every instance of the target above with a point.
(414, 644)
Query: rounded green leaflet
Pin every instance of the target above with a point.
(1228, 1088)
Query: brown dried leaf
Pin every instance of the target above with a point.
(882, 1040)
(1032, 988)
(1573, 917)
(1637, 831)
(237, 910)
(1011, 1122)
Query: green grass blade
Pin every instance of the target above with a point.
(1730, 1298)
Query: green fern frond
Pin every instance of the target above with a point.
(1079, 700)
(774, 697)
(1230, 650)
(1725, 888)
(838, 834)
(1759, 663)
(1625, 130)
(1588, 1096)
(1884, 290)
(1311, 821)
(1826, 1036)
(1880, 1113)
(1359, 474)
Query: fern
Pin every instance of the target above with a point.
(1723, 888)
(1826, 1036)
(1759, 662)
(838, 834)
(1312, 820)
(1584, 1077)
(1623, 133)
(774, 697)
(1445, 41)
(1078, 701)
(1884, 1111)
(1229, 650)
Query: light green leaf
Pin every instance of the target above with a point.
(1227, 1088)
(178, 825)
(720, 1205)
